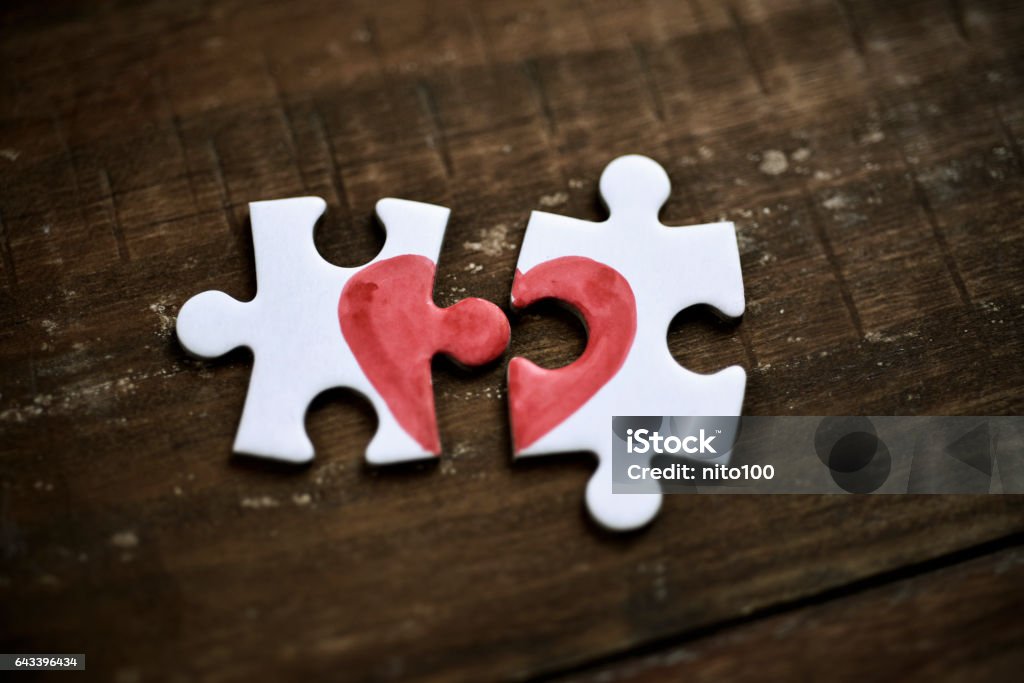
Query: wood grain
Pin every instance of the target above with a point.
(862, 632)
(869, 152)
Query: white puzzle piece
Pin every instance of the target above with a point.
(313, 326)
(627, 276)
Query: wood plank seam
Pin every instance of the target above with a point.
(858, 586)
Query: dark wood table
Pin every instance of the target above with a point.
(870, 154)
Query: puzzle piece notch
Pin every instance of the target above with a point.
(667, 269)
(294, 329)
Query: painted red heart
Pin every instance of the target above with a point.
(388, 317)
(541, 399)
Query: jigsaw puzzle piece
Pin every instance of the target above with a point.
(302, 344)
(627, 277)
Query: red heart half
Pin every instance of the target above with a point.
(541, 399)
(388, 317)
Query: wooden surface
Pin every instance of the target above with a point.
(870, 154)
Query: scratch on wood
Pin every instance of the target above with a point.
(478, 27)
(286, 119)
(6, 253)
(748, 49)
(853, 30)
(172, 115)
(115, 222)
(651, 84)
(370, 28)
(218, 172)
(317, 121)
(72, 164)
(435, 138)
(748, 347)
(532, 73)
(833, 261)
(956, 11)
(59, 129)
(940, 237)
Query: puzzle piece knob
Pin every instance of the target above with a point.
(212, 323)
(635, 184)
(476, 332)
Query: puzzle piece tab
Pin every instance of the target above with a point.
(627, 277)
(314, 326)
